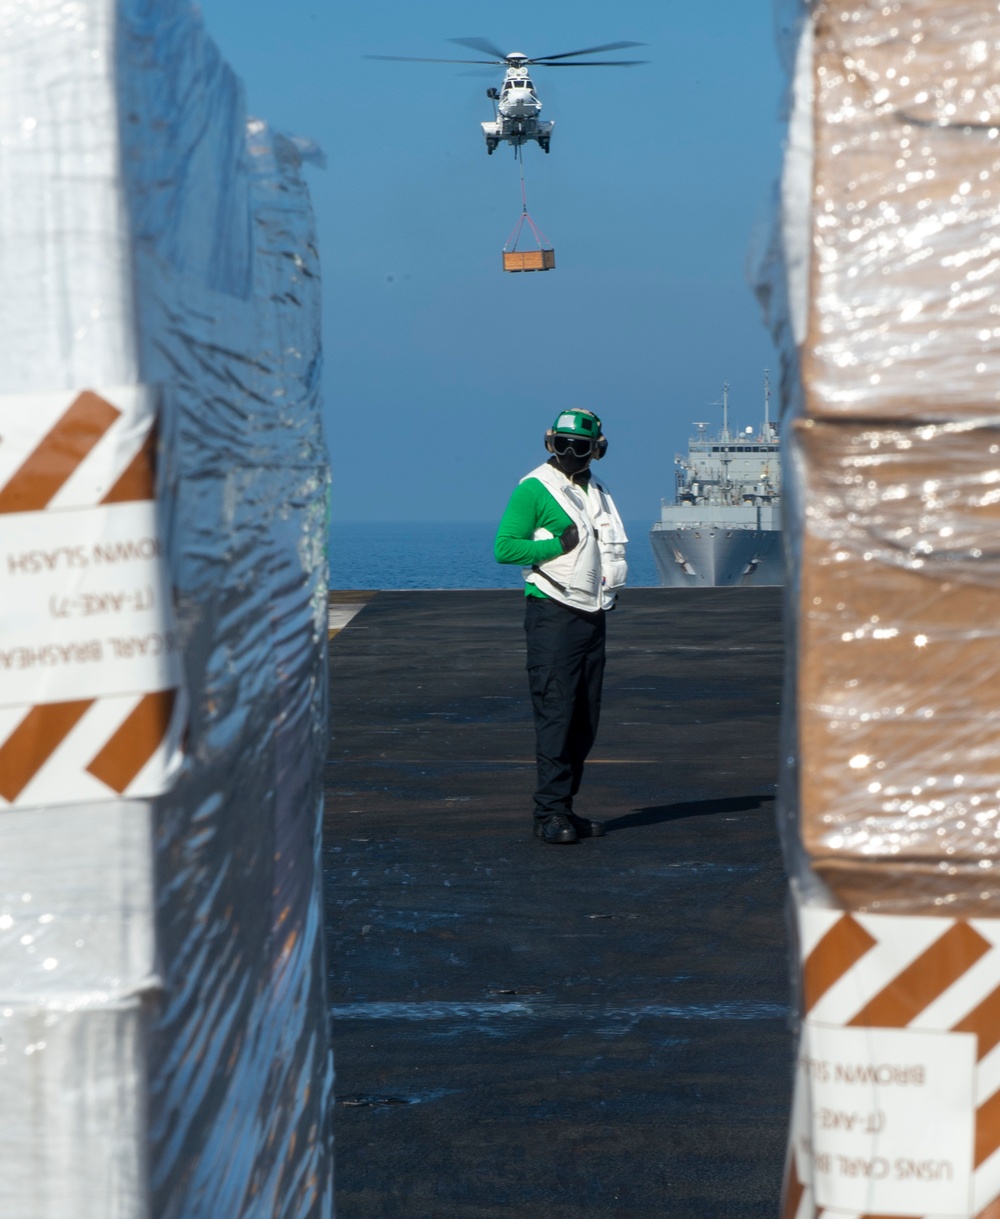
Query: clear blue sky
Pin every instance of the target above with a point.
(442, 372)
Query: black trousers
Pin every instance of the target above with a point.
(565, 673)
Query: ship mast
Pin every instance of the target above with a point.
(725, 455)
(767, 404)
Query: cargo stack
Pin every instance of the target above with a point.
(164, 1045)
(891, 794)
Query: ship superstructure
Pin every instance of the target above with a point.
(724, 526)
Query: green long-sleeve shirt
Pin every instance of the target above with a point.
(531, 507)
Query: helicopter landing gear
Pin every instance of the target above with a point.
(491, 146)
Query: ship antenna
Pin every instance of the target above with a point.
(725, 410)
(767, 402)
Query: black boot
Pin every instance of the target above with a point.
(587, 829)
(557, 827)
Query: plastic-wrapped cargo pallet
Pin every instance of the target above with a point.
(891, 787)
(163, 485)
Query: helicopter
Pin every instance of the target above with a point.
(516, 105)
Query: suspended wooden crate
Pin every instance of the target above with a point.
(542, 259)
(529, 260)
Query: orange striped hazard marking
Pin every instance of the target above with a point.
(34, 741)
(984, 1021)
(116, 764)
(924, 980)
(138, 480)
(58, 454)
(92, 700)
(135, 742)
(884, 972)
(835, 955)
(794, 1191)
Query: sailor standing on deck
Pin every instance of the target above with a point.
(562, 526)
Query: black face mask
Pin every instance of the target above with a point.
(570, 464)
(572, 454)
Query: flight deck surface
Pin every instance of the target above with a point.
(554, 1032)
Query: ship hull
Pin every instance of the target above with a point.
(715, 557)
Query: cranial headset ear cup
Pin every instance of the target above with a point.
(548, 440)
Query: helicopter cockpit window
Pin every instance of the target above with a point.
(528, 84)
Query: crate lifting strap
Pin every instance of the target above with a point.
(541, 259)
(540, 239)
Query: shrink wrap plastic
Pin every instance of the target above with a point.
(885, 302)
(899, 641)
(163, 485)
(905, 316)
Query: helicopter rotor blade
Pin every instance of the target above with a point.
(597, 63)
(481, 44)
(421, 59)
(607, 46)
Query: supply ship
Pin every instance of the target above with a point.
(724, 526)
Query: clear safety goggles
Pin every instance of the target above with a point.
(579, 446)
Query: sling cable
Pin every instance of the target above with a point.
(541, 259)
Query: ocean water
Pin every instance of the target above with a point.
(450, 554)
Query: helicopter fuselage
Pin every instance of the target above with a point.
(516, 104)
(517, 109)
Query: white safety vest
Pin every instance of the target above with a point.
(589, 576)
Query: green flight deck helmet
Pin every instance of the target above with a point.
(579, 423)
